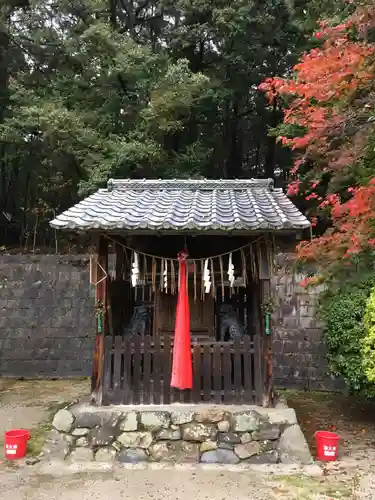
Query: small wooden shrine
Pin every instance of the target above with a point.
(228, 230)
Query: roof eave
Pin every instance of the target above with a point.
(193, 232)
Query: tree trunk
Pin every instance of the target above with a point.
(270, 160)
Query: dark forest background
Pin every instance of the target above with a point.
(93, 89)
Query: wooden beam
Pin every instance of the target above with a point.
(101, 301)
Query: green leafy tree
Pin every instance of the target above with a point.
(91, 89)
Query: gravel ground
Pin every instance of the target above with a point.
(166, 484)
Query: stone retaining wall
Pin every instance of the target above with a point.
(47, 322)
(180, 434)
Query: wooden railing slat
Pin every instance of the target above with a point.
(127, 381)
(146, 379)
(157, 368)
(227, 373)
(138, 370)
(117, 375)
(217, 371)
(258, 371)
(196, 396)
(247, 368)
(206, 368)
(167, 356)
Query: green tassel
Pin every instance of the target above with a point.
(100, 317)
(268, 328)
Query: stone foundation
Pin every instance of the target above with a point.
(178, 434)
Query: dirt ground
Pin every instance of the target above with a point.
(31, 404)
(350, 417)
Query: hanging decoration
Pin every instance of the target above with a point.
(135, 270)
(195, 280)
(212, 276)
(161, 274)
(230, 271)
(222, 277)
(182, 370)
(173, 278)
(165, 276)
(209, 274)
(206, 277)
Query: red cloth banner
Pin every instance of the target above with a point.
(182, 370)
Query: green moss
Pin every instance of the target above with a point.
(307, 488)
(39, 434)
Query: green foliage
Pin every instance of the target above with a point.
(343, 310)
(92, 89)
(368, 342)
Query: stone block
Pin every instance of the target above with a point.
(102, 436)
(267, 431)
(69, 439)
(229, 438)
(81, 455)
(246, 421)
(293, 448)
(135, 439)
(80, 431)
(225, 446)
(269, 457)
(182, 417)
(178, 452)
(247, 450)
(168, 434)
(268, 445)
(223, 426)
(282, 416)
(208, 446)
(198, 432)
(63, 421)
(155, 420)
(91, 418)
(105, 454)
(55, 446)
(219, 456)
(210, 415)
(132, 456)
(246, 437)
(130, 422)
(82, 441)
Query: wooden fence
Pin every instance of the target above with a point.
(138, 371)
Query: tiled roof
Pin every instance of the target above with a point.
(241, 204)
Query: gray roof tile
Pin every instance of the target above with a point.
(241, 204)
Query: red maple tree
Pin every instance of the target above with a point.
(329, 116)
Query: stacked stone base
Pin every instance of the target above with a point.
(179, 434)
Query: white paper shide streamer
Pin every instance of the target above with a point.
(230, 270)
(206, 277)
(135, 270)
(165, 275)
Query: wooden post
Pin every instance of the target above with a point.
(101, 299)
(268, 400)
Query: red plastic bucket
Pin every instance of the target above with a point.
(327, 446)
(16, 443)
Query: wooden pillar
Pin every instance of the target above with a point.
(265, 273)
(258, 365)
(268, 399)
(101, 302)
